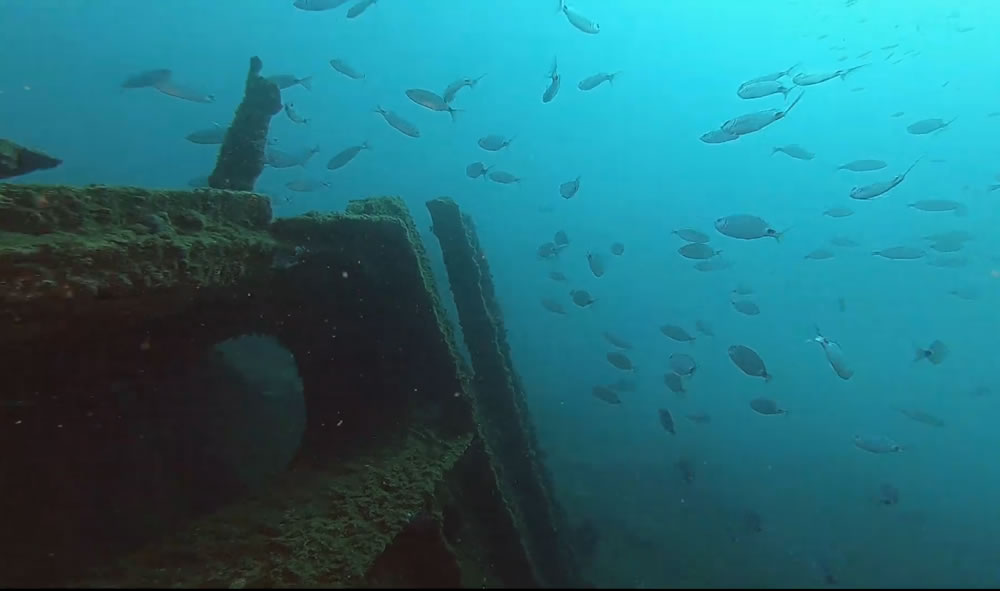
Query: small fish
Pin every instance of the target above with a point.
(898, 114)
(276, 158)
(682, 364)
(752, 122)
(699, 417)
(558, 276)
(210, 135)
(674, 383)
(839, 212)
(293, 114)
(950, 236)
(843, 241)
(942, 205)
(147, 78)
(356, 10)
(704, 328)
(494, 143)
(555, 81)
(346, 69)
(746, 227)
(606, 394)
(579, 21)
(718, 136)
(925, 126)
(477, 170)
(317, 5)
(430, 100)
(766, 406)
(713, 264)
(936, 352)
(863, 165)
(834, 355)
(686, 468)
(560, 238)
(617, 341)
(743, 289)
(947, 245)
(620, 361)
(617, 249)
(548, 250)
(795, 151)
(306, 185)
(803, 79)
(748, 361)
(398, 123)
(568, 189)
(820, 254)
(761, 89)
(969, 293)
(888, 494)
(667, 421)
(900, 253)
(746, 307)
(449, 93)
(677, 333)
(869, 192)
(582, 298)
(691, 235)
(553, 306)
(698, 251)
(877, 444)
(592, 82)
(346, 155)
(283, 81)
(596, 264)
(771, 77)
(503, 177)
(170, 88)
(953, 262)
(920, 416)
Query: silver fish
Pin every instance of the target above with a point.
(568, 189)
(284, 81)
(834, 355)
(606, 394)
(691, 235)
(766, 406)
(677, 333)
(925, 126)
(294, 115)
(936, 352)
(306, 185)
(746, 307)
(795, 151)
(276, 158)
(761, 89)
(620, 361)
(596, 264)
(770, 77)
(863, 165)
(698, 251)
(751, 122)
(617, 341)
(477, 170)
(398, 123)
(346, 69)
(674, 383)
(839, 212)
(682, 364)
(592, 82)
(803, 79)
(494, 142)
(344, 156)
(503, 177)
(210, 135)
(579, 21)
(939, 205)
(356, 10)
(900, 253)
(718, 136)
(430, 100)
(317, 5)
(554, 82)
(877, 444)
(449, 93)
(171, 88)
(147, 78)
(920, 416)
(748, 361)
(746, 227)
(667, 421)
(868, 192)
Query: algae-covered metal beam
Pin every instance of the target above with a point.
(131, 285)
(241, 156)
(501, 410)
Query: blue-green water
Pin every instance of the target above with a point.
(644, 173)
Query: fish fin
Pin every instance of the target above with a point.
(365, 145)
(307, 82)
(611, 77)
(452, 112)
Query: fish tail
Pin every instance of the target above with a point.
(994, 187)
(307, 82)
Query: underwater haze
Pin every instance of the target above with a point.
(809, 398)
